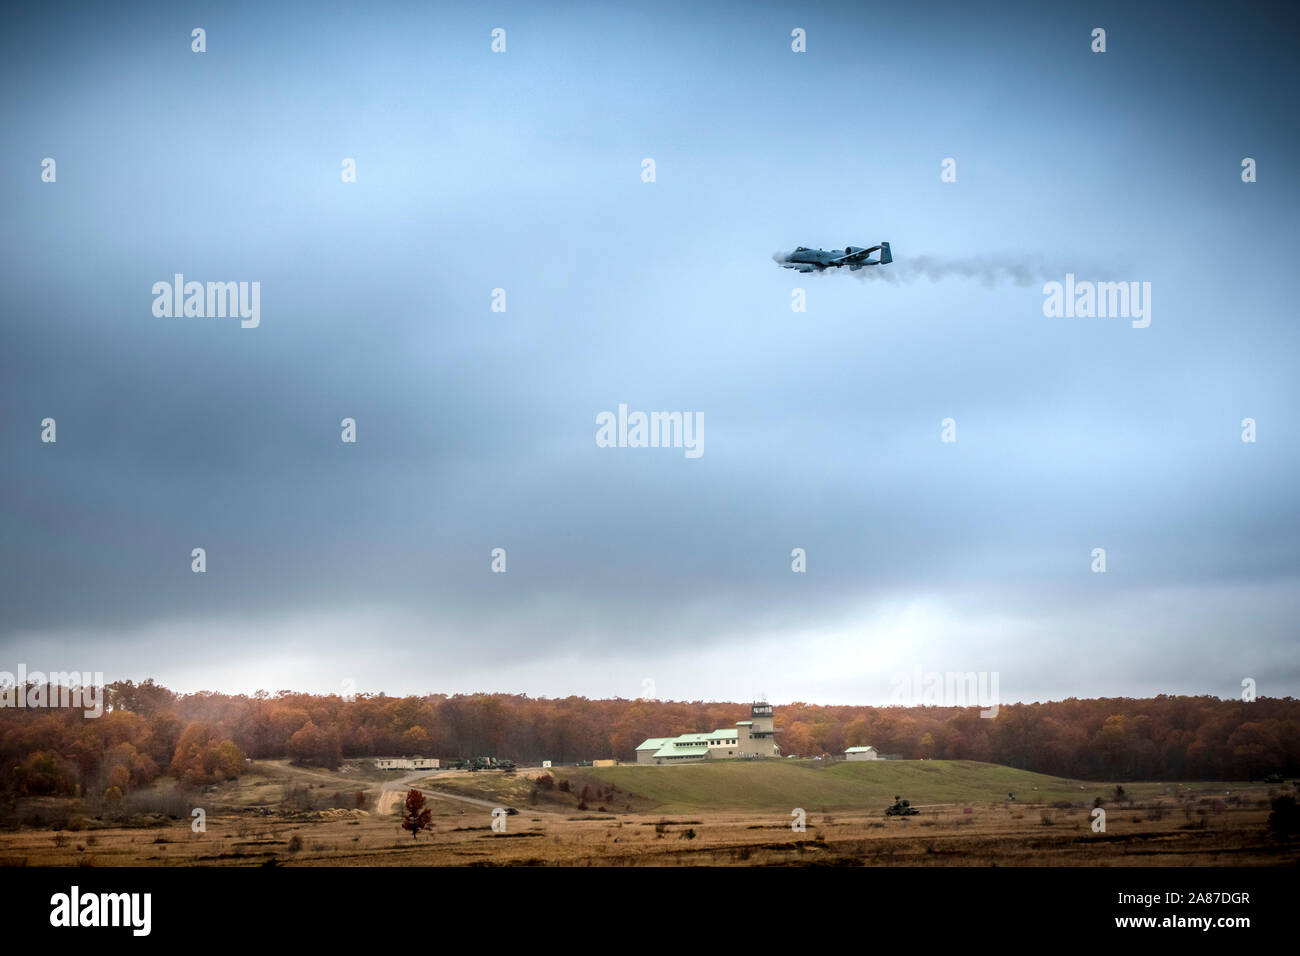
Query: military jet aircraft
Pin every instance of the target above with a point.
(855, 257)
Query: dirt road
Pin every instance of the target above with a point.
(393, 792)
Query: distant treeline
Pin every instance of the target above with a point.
(147, 730)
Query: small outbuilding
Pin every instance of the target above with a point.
(861, 753)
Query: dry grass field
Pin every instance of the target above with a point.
(282, 815)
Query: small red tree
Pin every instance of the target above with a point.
(417, 816)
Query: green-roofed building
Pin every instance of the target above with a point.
(749, 738)
(645, 751)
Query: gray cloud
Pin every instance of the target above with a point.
(476, 428)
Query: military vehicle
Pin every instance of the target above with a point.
(901, 808)
(483, 763)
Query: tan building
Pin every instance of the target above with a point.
(755, 737)
(861, 753)
(406, 763)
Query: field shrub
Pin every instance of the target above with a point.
(165, 802)
(1284, 821)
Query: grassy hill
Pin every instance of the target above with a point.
(783, 784)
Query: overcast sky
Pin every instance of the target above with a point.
(370, 562)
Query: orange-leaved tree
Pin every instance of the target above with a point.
(417, 815)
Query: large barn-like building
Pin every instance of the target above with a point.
(755, 737)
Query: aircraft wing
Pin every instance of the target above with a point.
(855, 256)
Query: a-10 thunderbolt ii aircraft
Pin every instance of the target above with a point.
(855, 257)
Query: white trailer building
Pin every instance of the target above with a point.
(406, 763)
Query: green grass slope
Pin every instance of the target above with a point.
(783, 784)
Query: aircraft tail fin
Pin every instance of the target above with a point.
(885, 254)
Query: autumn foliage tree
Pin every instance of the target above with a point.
(147, 729)
(203, 756)
(417, 816)
(45, 772)
(314, 746)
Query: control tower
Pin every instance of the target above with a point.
(760, 719)
(757, 736)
